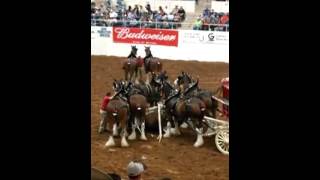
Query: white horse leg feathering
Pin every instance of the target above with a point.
(133, 134)
(124, 142)
(175, 130)
(110, 142)
(115, 131)
(167, 131)
(199, 142)
(143, 135)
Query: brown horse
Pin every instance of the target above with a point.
(151, 64)
(184, 80)
(138, 104)
(117, 113)
(181, 109)
(130, 65)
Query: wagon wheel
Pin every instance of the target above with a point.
(222, 141)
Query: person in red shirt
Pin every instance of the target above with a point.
(103, 112)
(225, 94)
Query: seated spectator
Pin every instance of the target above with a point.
(206, 12)
(148, 8)
(212, 12)
(161, 11)
(175, 10)
(170, 17)
(142, 11)
(113, 14)
(136, 11)
(205, 23)
(198, 24)
(224, 20)
(214, 21)
(166, 10)
(182, 13)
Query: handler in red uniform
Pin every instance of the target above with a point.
(103, 112)
(225, 94)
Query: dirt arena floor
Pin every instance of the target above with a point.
(174, 157)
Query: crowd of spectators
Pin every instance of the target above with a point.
(136, 16)
(211, 20)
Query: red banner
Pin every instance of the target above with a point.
(145, 36)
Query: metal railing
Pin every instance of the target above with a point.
(158, 25)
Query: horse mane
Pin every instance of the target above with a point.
(172, 96)
(193, 87)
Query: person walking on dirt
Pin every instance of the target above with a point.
(103, 112)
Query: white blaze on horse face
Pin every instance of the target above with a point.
(175, 82)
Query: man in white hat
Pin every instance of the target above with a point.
(135, 170)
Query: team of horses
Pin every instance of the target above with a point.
(184, 101)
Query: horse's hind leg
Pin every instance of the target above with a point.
(168, 128)
(143, 134)
(103, 124)
(175, 130)
(124, 142)
(133, 134)
(147, 80)
(199, 131)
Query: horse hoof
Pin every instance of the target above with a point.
(166, 135)
(109, 144)
(101, 130)
(124, 144)
(184, 125)
(197, 145)
(132, 137)
(175, 132)
(144, 138)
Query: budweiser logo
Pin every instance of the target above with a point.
(124, 33)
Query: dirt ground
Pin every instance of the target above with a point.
(174, 157)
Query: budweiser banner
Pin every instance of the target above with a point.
(145, 36)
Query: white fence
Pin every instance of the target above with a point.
(192, 45)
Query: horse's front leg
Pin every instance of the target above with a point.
(175, 130)
(133, 134)
(143, 126)
(199, 131)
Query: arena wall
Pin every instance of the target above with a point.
(220, 6)
(191, 45)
